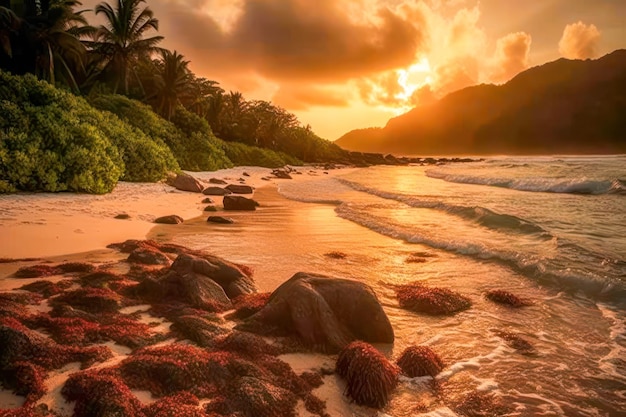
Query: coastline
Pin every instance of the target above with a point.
(79, 232)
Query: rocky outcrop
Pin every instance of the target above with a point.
(314, 308)
(185, 182)
(206, 282)
(235, 202)
(239, 189)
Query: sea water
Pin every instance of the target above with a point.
(550, 229)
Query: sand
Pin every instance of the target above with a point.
(67, 227)
(53, 224)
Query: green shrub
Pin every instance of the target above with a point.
(194, 151)
(244, 155)
(47, 143)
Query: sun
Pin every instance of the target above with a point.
(413, 78)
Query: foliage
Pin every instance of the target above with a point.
(193, 152)
(244, 155)
(120, 41)
(49, 142)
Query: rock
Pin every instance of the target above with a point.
(228, 275)
(210, 208)
(239, 203)
(280, 173)
(207, 200)
(434, 301)
(507, 298)
(239, 189)
(245, 174)
(217, 181)
(186, 182)
(122, 216)
(220, 220)
(336, 255)
(172, 219)
(215, 191)
(370, 377)
(205, 281)
(314, 307)
(420, 361)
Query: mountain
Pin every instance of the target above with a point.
(565, 106)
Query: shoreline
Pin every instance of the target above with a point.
(44, 225)
(331, 391)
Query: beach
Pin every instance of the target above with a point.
(391, 226)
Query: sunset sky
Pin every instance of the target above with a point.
(346, 64)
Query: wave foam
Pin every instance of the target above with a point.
(545, 185)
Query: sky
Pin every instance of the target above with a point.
(346, 64)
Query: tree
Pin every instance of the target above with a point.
(42, 38)
(172, 82)
(121, 43)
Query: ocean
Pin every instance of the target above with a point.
(550, 229)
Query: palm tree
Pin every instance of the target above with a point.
(121, 40)
(43, 38)
(172, 82)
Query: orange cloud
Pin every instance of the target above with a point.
(511, 56)
(291, 39)
(303, 97)
(579, 41)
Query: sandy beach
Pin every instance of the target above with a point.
(70, 228)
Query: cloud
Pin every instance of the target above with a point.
(511, 56)
(299, 97)
(579, 41)
(292, 39)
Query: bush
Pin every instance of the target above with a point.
(47, 143)
(244, 155)
(51, 140)
(194, 150)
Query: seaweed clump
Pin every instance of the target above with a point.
(370, 377)
(249, 304)
(101, 394)
(91, 300)
(47, 288)
(26, 357)
(182, 404)
(430, 300)
(507, 298)
(420, 361)
(43, 270)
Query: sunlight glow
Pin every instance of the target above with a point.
(414, 77)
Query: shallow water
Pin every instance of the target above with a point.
(558, 246)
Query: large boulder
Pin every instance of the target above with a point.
(235, 202)
(186, 182)
(326, 313)
(239, 189)
(206, 282)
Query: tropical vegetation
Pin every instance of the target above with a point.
(82, 106)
